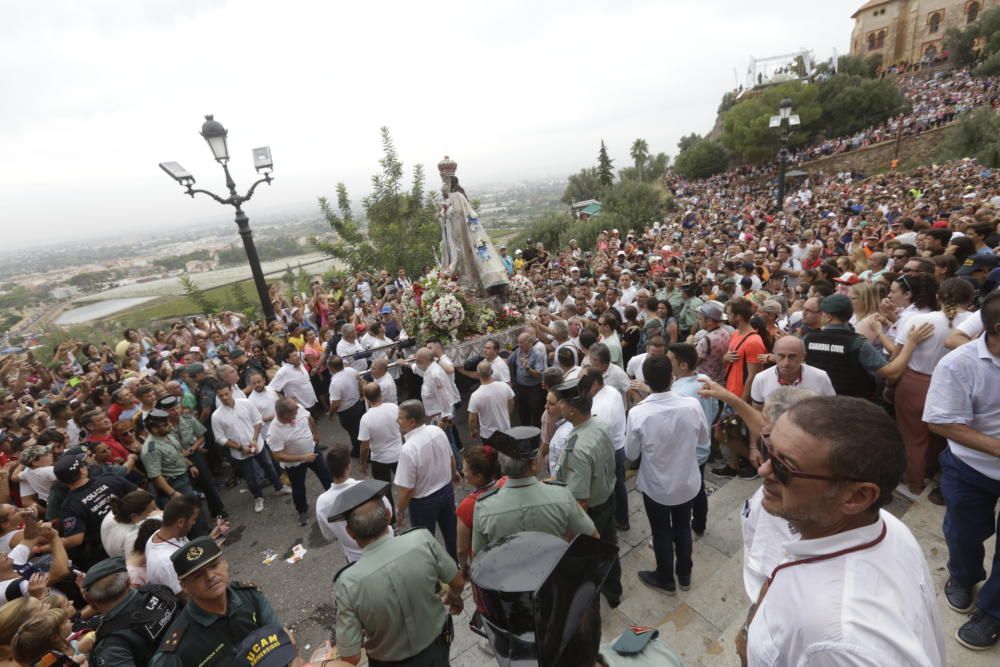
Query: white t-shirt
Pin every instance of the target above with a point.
(489, 404)
(338, 529)
(294, 382)
(359, 364)
(928, 353)
(425, 461)
(344, 388)
(117, 538)
(766, 382)
(558, 443)
(388, 386)
(501, 371)
(37, 482)
(293, 438)
(264, 402)
(159, 568)
(972, 326)
(380, 428)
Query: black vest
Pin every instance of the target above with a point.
(836, 352)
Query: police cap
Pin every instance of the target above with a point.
(105, 568)
(67, 468)
(269, 646)
(519, 442)
(569, 390)
(195, 555)
(156, 416)
(355, 497)
(168, 403)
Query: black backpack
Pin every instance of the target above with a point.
(148, 617)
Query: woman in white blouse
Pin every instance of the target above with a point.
(121, 524)
(953, 297)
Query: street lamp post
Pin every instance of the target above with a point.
(216, 136)
(783, 122)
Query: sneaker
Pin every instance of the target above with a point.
(285, 490)
(684, 582)
(903, 490)
(258, 504)
(748, 473)
(979, 633)
(935, 496)
(303, 518)
(959, 598)
(725, 471)
(648, 577)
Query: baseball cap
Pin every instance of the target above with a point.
(269, 646)
(386, 310)
(712, 310)
(847, 278)
(195, 368)
(195, 555)
(771, 306)
(940, 224)
(978, 262)
(837, 304)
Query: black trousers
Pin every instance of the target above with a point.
(603, 517)
(206, 483)
(384, 472)
(530, 402)
(350, 420)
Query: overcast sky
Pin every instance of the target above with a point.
(96, 93)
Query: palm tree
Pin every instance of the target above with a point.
(640, 153)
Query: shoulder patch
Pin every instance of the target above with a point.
(246, 585)
(491, 492)
(341, 571)
(172, 640)
(553, 482)
(411, 529)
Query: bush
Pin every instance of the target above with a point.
(703, 158)
(977, 135)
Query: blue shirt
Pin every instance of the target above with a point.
(508, 263)
(522, 376)
(689, 386)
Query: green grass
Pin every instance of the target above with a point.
(169, 307)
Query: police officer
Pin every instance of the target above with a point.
(218, 614)
(166, 466)
(132, 621)
(587, 467)
(191, 435)
(524, 503)
(387, 602)
(540, 607)
(688, 316)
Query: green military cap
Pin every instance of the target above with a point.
(105, 568)
(569, 390)
(519, 442)
(195, 555)
(355, 497)
(156, 416)
(269, 646)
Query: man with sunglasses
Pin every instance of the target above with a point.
(851, 564)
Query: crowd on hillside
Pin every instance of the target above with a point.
(844, 348)
(935, 101)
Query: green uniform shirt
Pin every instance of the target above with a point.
(527, 504)
(689, 313)
(676, 300)
(188, 430)
(163, 457)
(115, 650)
(655, 654)
(197, 638)
(588, 463)
(387, 602)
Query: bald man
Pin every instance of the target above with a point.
(789, 370)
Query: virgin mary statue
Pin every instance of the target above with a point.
(465, 246)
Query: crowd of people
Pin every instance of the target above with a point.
(843, 347)
(935, 101)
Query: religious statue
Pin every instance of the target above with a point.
(465, 246)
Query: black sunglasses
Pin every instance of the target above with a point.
(785, 473)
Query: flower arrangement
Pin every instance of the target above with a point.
(447, 312)
(521, 291)
(437, 306)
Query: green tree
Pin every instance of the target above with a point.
(851, 103)
(605, 173)
(582, 186)
(701, 159)
(728, 100)
(746, 127)
(978, 42)
(403, 227)
(634, 202)
(242, 303)
(198, 296)
(90, 279)
(639, 153)
(688, 141)
(976, 135)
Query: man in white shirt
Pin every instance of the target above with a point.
(491, 352)
(614, 376)
(338, 460)
(668, 476)
(385, 381)
(628, 289)
(236, 425)
(292, 379)
(608, 406)
(349, 345)
(263, 398)
(179, 517)
(963, 405)
(490, 404)
(345, 399)
(438, 396)
(830, 464)
(425, 475)
(294, 441)
(380, 437)
(35, 476)
(790, 370)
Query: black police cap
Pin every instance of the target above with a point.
(105, 568)
(156, 416)
(520, 442)
(195, 555)
(168, 403)
(569, 390)
(68, 466)
(355, 497)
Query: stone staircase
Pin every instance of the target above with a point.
(699, 624)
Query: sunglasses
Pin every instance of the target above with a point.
(785, 473)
